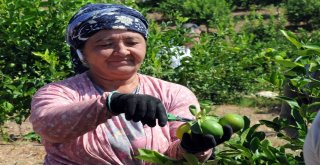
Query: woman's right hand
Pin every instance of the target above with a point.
(139, 107)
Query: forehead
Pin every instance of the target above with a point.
(114, 34)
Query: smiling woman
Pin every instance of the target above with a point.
(107, 111)
(110, 53)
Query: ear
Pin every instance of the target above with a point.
(80, 55)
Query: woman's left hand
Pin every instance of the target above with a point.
(194, 142)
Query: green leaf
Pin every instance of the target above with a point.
(298, 118)
(154, 157)
(271, 124)
(300, 82)
(312, 106)
(266, 143)
(191, 159)
(196, 127)
(254, 144)
(292, 102)
(252, 130)
(246, 130)
(12, 87)
(244, 151)
(7, 106)
(312, 47)
(246, 122)
(289, 64)
(266, 150)
(244, 135)
(291, 39)
(32, 136)
(193, 110)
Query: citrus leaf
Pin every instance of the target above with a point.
(191, 159)
(292, 102)
(196, 127)
(154, 157)
(254, 144)
(311, 107)
(193, 110)
(312, 47)
(291, 39)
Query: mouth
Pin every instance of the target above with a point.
(122, 61)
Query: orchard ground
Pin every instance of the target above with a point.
(22, 152)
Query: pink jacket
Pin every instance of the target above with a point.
(76, 127)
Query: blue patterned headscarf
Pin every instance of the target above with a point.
(94, 17)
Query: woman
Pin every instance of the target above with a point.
(311, 146)
(108, 112)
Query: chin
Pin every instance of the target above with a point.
(124, 71)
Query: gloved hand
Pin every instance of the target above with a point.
(195, 142)
(139, 107)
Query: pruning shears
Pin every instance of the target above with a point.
(172, 117)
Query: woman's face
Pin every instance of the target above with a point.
(114, 54)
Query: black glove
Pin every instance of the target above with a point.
(139, 107)
(195, 142)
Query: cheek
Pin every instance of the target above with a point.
(100, 54)
(140, 55)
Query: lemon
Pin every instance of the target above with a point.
(212, 127)
(183, 128)
(234, 120)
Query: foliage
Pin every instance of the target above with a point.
(27, 27)
(226, 65)
(295, 66)
(219, 66)
(250, 146)
(160, 159)
(307, 11)
(214, 13)
(247, 3)
(261, 29)
(32, 136)
(303, 60)
(34, 51)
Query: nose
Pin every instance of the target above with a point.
(121, 49)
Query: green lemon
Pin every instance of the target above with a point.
(234, 120)
(212, 127)
(278, 57)
(12, 65)
(184, 128)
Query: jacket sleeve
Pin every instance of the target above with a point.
(58, 114)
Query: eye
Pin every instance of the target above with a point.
(132, 43)
(108, 44)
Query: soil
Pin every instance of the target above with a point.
(22, 152)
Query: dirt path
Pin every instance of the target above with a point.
(31, 153)
(20, 152)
